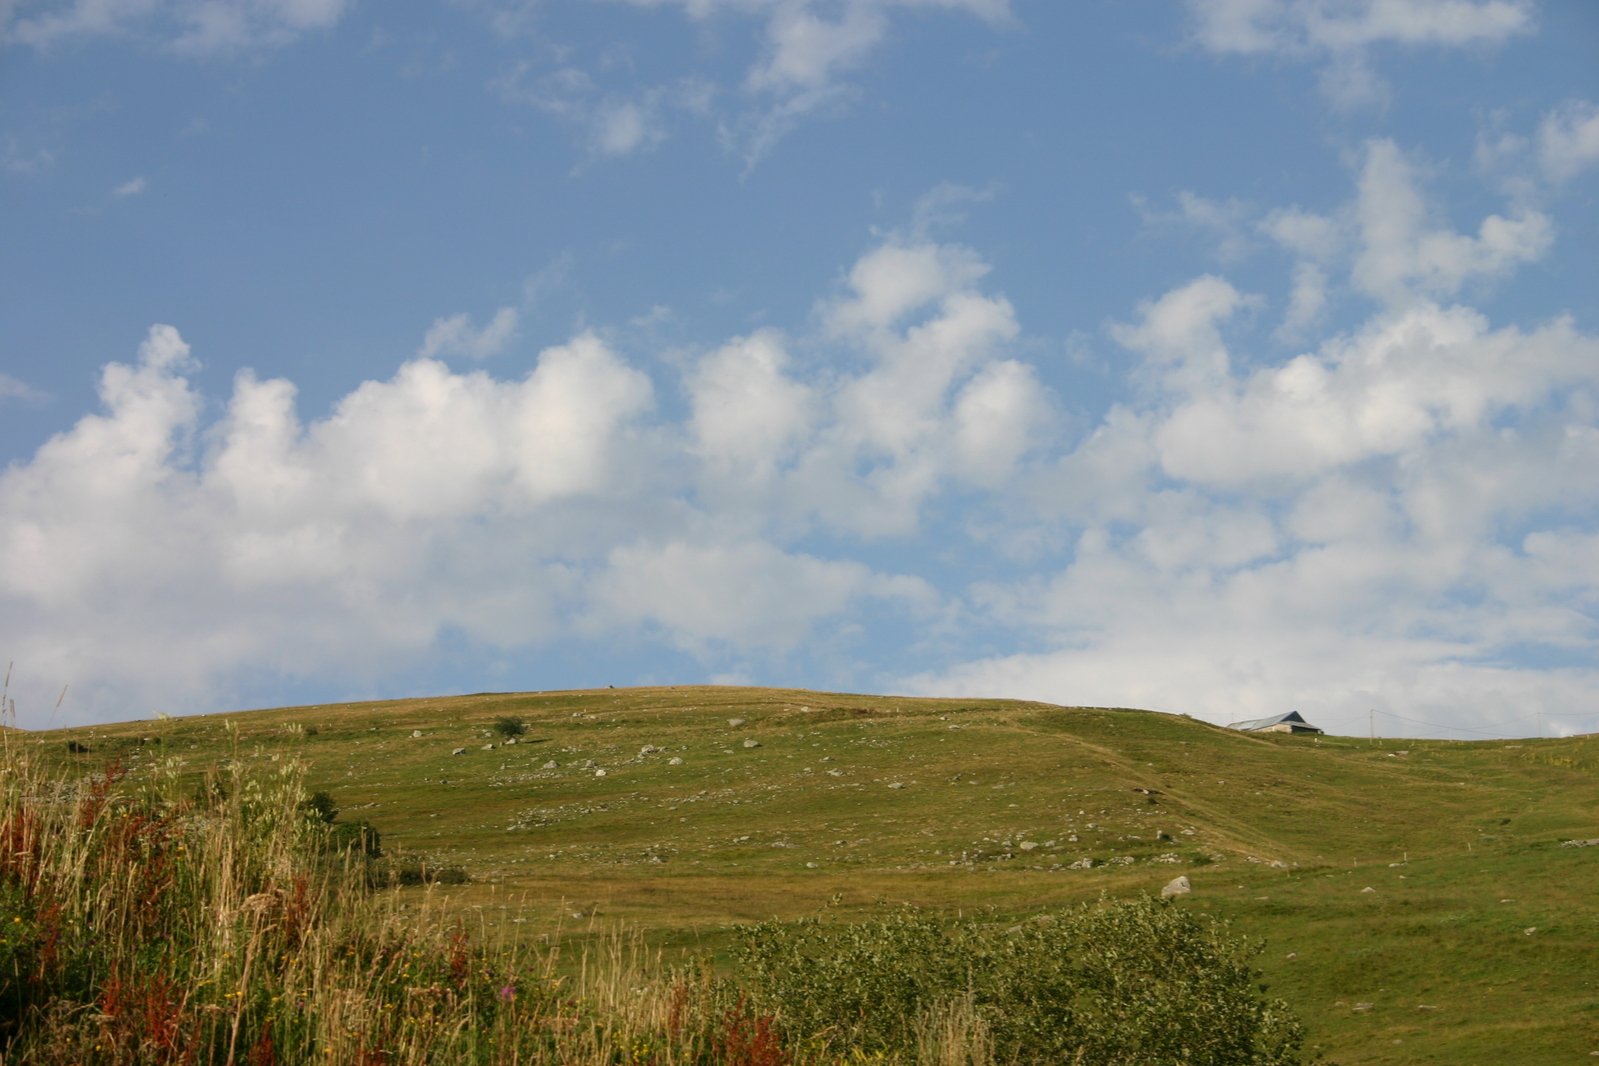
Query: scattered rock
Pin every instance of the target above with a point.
(1368, 888)
(835, 773)
(458, 751)
(648, 749)
(1177, 886)
(752, 743)
(600, 772)
(810, 866)
(552, 765)
(1120, 860)
(1082, 864)
(901, 784)
(1531, 929)
(415, 733)
(1594, 843)
(1425, 1006)
(1026, 845)
(674, 761)
(488, 747)
(735, 722)
(510, 740)
(1361, 1008)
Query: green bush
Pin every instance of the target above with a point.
(1140, 981)
(509, 726)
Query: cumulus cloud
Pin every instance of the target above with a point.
(438, 501)
(746, 595)
(131, 187)
(200, 27)
(1385, 518)
(1385, 521)
(1404, 254)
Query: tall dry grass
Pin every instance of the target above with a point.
(146, 921)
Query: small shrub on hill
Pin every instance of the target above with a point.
(509, 726)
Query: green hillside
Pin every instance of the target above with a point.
(1416, 897)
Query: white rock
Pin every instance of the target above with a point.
(735, 722)
(458, 751)
(1368, 888)
(552, 765)
(600, 772)
(752, 743)
(1028, 845)
(1177, 886)
(674, 761)
(415, 733)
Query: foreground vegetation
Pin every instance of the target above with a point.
(1474, 944)
(232, 920)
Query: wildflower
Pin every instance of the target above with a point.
(507, 993)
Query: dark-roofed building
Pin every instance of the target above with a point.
(1277, 723)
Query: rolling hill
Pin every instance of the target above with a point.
(1417, 900)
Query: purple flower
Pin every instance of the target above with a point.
(507, 993)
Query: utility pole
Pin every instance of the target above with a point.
(1371, 717)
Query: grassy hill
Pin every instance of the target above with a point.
(1416, 899)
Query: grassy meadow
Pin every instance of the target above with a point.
(1414, 897)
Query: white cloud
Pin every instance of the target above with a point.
(746, 594)
(455, 335)
(1568, 139)
(131, 187)
(1305, 302)
(200, 27)
(1403, 255)
(749, 417)
(1180, 333)
(1381, 520)
(12, 388)
(16, 161)
(1343, 33)
(807, 52)
(1297, 26)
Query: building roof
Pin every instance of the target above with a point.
(1276, 719)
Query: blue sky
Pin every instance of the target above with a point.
(1220, 358)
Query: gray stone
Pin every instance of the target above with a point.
(735, 722)
(674, 761)
(415, 733)
(752, 743)
(552, 765)
(1028, 845)
(1177, 886)
(458, 751)
(1594, 843)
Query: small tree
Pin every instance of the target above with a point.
(509, 726)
